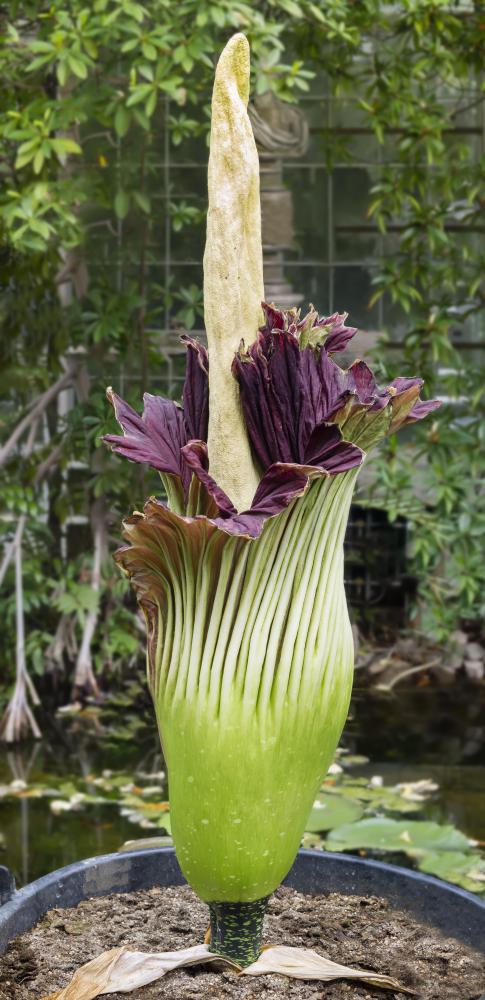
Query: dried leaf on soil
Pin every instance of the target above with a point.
(302, 963)
(120, 970)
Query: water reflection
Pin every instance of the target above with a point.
(423, 725)
(21, 765)
(35, 839)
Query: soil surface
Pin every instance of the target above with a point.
(351, 930)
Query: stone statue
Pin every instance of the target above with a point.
(279, 128)
(281, 131)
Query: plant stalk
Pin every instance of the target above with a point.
(237, 930)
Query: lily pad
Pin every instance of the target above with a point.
(463, 868)
(411, 836)
(353, 760)
(145, 844)
(374, 799)
(330, 811)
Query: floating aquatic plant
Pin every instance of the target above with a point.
(240, 572)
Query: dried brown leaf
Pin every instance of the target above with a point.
(120, 970)
(302, 963)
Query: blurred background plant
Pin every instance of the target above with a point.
(103, 126)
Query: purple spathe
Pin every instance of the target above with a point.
(293, 393)
(296, 401)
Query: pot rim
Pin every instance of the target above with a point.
(447, 907)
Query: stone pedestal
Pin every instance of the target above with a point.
(281, 132)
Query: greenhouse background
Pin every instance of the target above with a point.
(370, 122)
(318, 182)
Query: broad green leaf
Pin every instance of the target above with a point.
(463, 868)
(38, 161)
(292, 8)
(122, 120)
(23, 159)
(121, 204)
(65, 145)
(78, 67)
(142, 201)
(136, 10)
(28, 147)
(410, 836)
(144, 844)
(43, 229)
(151, 104)
(149, 51)
(332, 811)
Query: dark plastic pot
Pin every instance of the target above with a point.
(449, 909)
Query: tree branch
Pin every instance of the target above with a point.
(83, 675)
(18, 717)
(38, 408)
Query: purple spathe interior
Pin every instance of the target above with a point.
(293, 395)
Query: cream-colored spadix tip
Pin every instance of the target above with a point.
(234, 61)
(233, 269)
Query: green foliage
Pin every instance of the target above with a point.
(329, 812)
(446, 531)
(352, 814)
(90, 96)
(410, 836)
(420, 92)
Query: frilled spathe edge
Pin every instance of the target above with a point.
(281, 483)
(329, 332)
(159, 438)
(302, 411)
(280, 486)
(159, 435)
(292, 391)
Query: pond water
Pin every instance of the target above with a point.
(420, 733)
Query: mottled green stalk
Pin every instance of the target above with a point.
(237, 930)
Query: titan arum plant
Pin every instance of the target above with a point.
(240, 573)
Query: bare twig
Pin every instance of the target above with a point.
(407, 673)
(41, 472)
(18, 717)
(47, 464)
(9, 551)
(35, 412)
(83, 675)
